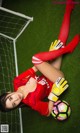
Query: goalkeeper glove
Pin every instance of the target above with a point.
(57, 89)
(57, 44)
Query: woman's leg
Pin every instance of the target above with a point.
(52, 73)
(57, 63)
(49, 71)
(51, 55)
(64, 31)
(39, 59)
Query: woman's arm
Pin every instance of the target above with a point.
(50, 107)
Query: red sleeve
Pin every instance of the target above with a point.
(23, 77)
(42, 108)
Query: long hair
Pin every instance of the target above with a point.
(3, 103)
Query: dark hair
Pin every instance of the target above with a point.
(3, 103)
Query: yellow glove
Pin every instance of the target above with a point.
(57, 89)
(57, 44)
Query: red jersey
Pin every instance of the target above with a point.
(35, 99)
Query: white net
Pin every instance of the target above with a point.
(12, 25)
(7, 73)
(7, 67)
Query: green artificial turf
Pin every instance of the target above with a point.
(37, 37)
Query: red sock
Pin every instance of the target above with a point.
(64, 30)
(51, 55)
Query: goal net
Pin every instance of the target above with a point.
(12, 25)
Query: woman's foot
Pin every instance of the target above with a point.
(70, 5)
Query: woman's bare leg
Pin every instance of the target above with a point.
(49, 71)
(56, 63)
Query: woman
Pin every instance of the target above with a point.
(32, 89)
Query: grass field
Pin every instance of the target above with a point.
(37, 37)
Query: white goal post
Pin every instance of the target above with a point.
(17, 14)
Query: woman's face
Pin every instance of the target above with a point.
(13, 99)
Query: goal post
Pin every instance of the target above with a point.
(12, 25)
(24, 20)
(16, 69)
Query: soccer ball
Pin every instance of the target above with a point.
(61, 110)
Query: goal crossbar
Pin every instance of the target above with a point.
(16, 13)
